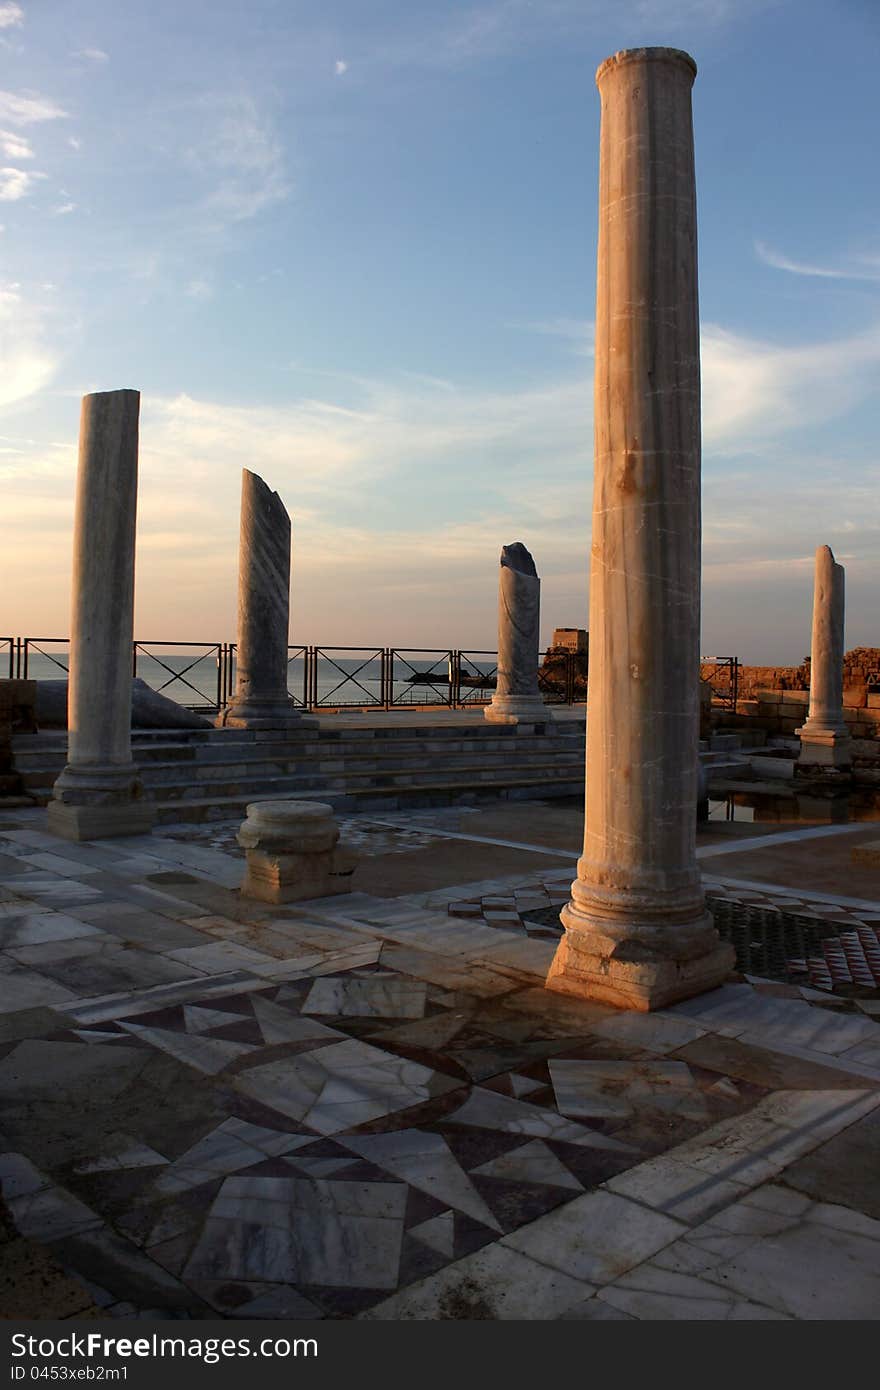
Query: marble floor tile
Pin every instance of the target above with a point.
(205, 1054)
(216, 956)
(19, 1177)
(489, 1110)
(438, 1233)
(51, 1213)
(532, 1163)
(66, 1074)
(21, 988)
(596, 1237)
(377, 997)
(281, 1025)
(127, 1004)
(34, 928)
(606, 1089)
(425, 1161)
(296, 1230)
(802, 1268)
(652, 1293)
(654, 1032)
(667, 1185)
(233, 1145)
(341, 1085)
(497, 1283)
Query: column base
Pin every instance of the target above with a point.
(517, 709)
(824, 747)
(635, 970)
(99, 822)
(254, 714)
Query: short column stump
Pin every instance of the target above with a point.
(292, 852)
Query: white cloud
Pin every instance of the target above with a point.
(18, 109)
(93, 55)
(341, 67)
(754, 391)
(16, 183)
(859, 267)
(74, 143)
(11, 15)
(63, 209)
(15, 146)
(27, 364)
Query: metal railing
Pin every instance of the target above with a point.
(722, 673)
(202, 675)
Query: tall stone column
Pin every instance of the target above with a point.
(261, 698)
(99, 793)
(517, 699)
(637, 933)
(825, 739)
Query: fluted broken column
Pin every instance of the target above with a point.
(99, 792)
(517, 699)
(825, 739)
(261, 698)
(637, 931)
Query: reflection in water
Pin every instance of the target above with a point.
(766, 808)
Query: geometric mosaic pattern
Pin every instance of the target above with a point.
(215, 1107)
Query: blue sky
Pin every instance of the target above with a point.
(350, 244)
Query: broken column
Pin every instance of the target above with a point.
(517, 699)
(637, 933)
(292, 852)
(825, 739)
(99, 792)
(261, 698)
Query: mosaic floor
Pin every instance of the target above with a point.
(367, 1107)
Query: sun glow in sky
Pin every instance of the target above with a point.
(351, 246)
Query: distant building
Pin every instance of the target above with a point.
(570, 639)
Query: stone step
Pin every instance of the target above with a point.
(43, 769)
(374, 799)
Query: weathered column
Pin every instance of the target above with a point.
(517, 699)
(825, 739)
(261, 697)
(637, 931)
(99, 792)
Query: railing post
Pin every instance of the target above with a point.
(734, 681)
(26, 648)
(455, 679)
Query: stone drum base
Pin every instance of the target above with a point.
(292, 852)
(633, 971)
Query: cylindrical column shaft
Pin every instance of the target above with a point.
(517, 698)
(261, 697)
(825, 739)
(637, 929)
(100, 773)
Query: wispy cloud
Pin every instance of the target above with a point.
(63, 209)
(15, 146)
(200, 288)
(16, 183)
(340, 67)
(92, 55)
(27, 109)
(11, 15)
(238, 157)
(491, 29)
(865, 268)
(755, 391)
(27, 364)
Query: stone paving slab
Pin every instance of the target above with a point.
(367, 1107)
